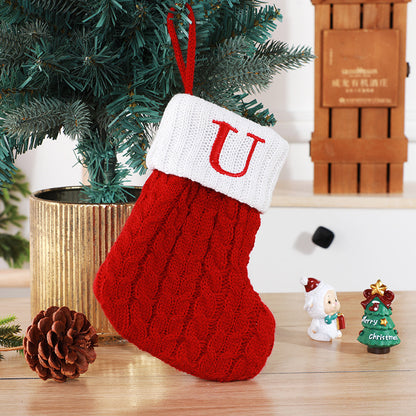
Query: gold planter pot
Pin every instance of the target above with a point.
(69, 240)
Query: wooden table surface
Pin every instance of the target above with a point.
(302, 377)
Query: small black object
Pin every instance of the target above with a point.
(323, 237)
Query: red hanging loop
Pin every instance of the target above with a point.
(186, 71)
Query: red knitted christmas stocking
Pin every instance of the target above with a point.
(175, 282)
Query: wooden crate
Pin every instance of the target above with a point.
(358, 144)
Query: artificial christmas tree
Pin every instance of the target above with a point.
(378, 333)
(103, 71)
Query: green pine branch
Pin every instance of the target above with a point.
(14, 248)
(9, 335)
(76, 119)
(31, 123)
(13, 193)
(95, 67)
(105, 13)
(62, 7)
(238, 65)
(37, 119)
(255, 111)
(7, 167)
(256, 23)
(11, 11)
(106, 174)
(281, 57)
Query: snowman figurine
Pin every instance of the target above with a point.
(323, 307)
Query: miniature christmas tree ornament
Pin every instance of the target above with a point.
(378, 331)
(323, 306)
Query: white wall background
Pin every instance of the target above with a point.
(369, 244)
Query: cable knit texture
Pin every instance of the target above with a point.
(175, 282)
(219, 149)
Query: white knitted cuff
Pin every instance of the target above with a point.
(219, 149)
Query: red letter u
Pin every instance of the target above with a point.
(222, 134)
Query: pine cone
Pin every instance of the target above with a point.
(60, 344)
